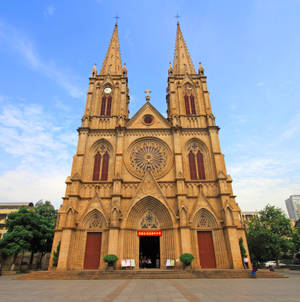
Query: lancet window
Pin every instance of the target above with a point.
(101, 163)
(106, 102)
(196, 162)
(189, 101)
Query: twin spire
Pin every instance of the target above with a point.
(182, 63)
(112, 63)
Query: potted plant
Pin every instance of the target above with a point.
(110, 260)
(186, 259)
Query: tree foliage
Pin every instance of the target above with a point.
(269, 235)
(29, 229)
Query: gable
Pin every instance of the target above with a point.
(148, 118)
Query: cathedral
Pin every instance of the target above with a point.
(148, 187)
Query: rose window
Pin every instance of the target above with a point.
(150, 154)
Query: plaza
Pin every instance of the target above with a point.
(190, 290)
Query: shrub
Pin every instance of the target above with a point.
(186, 259)
(110, 259)
(55, 255)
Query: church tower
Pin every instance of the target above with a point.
(148, 188)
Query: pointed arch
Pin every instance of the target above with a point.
(94, 220)
(152, 204)
(102, 159)
(204, 219)
(201, 157)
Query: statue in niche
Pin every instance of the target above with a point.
(149, 221)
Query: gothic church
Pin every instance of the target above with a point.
(148, 187)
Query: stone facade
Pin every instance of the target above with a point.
(148, 172)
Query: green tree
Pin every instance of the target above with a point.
(34, 226)
(296, 239)
(48, 216)
(269, 235)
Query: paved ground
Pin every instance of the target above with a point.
(191, 290)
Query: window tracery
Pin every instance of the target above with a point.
(196, 162)
(149, 221)
(101, 163)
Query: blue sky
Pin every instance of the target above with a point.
(250, 52)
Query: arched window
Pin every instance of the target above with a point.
(196, 163)
(106, 102)
(189, 102)
(101, 164)
(192, 163)
(104, 171)
(193, 108)
(97, 163)
(103, 105)
(187, 105)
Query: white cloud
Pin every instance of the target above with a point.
(49, 11)
(25, 47)
(42, 151)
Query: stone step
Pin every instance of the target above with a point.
(146, 274)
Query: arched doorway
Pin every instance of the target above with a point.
(94, 222)
(205, 222)
(149, 235)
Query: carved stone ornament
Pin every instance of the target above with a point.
(151, 154)
(205, 222)
(149, 221)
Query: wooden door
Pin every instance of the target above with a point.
(206, 250)
(92, 251)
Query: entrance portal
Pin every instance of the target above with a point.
(149, 252)
(206, 250)
(92, 251)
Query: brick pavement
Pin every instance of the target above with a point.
(187, 290)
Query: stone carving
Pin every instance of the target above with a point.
(149, 154)
(149, 221)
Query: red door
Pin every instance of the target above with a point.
(92, 251)
(206, 250)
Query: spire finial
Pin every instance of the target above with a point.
(177, 17)
(117, 18)
(147, 94)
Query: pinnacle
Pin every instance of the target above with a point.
(182, 60)
(112, 63)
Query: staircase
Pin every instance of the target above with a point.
(146, 274)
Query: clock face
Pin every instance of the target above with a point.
(107, 90)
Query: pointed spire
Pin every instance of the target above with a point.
(112, 63)
(200, 69)
(94, 71)
(182, 61)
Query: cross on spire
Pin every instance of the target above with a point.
(116, 17)
(147, 94)
(177, 17)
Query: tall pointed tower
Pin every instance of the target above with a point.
(148, 188)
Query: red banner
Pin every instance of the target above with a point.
(149, 233)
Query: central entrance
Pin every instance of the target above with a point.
(149, 252)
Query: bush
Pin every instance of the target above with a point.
(55, 255)
(186, 259)
(110, 259)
